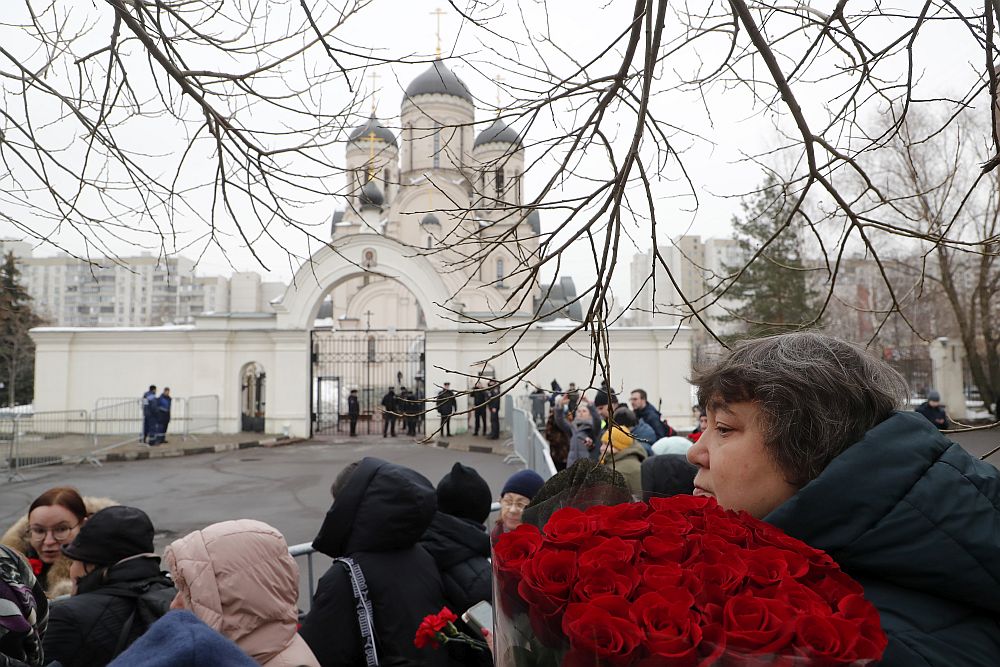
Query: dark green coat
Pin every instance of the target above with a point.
(915, 519)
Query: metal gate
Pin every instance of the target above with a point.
(369, 361)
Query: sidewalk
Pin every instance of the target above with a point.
(465, 442)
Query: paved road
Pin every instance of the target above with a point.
(287, 487)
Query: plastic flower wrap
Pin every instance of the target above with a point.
(676, 582)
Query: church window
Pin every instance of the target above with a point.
(500, 274)
(517, 187)
(409, 144)
(499, 182)
(430, 242)
(437, 145)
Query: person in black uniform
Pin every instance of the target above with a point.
(446, 406)
(353, 411)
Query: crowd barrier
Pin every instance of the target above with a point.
(305, 550)
(530, 447)
(31, 439)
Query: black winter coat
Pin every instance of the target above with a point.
(461, 549)
(84, 629)
(915, 519)
(377, 520)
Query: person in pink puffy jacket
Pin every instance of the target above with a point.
(238, 577)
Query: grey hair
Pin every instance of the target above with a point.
(817, 396)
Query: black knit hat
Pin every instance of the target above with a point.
(111, 535)
(463, 493)
(524, 482)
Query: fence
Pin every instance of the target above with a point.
(529, 446)
(31, 439)
(305, 550)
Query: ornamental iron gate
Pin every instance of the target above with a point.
(369, 361)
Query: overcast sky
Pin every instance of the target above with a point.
(724, 128)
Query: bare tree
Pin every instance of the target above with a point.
(609, 126)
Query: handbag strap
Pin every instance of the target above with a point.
(366, 619)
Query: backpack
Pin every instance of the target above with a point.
(150, 604)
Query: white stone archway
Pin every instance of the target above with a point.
(329, 267)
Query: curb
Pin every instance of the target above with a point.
(144, 455)
(498, 449)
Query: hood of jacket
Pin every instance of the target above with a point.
(451, 540)
(57, 579)
(238, 577)
(383, 507)
(907, 506)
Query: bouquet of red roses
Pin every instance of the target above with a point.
(679, 582)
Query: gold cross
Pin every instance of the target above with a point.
(375, 78)
(438, 13)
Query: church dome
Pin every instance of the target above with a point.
(382, 133)
(534, 221)
(498, 131)
(371, 195)
(429, 220)
(438, 80)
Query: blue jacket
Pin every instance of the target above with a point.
(179, 639)
(651, 416)
(916, 520)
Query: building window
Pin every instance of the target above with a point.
(437, 145)
(517, 187)
(430, 242)
(500, 273)
(409, 144)
(499, 181)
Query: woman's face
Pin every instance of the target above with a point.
(734, 467)
(512, 507)
(49, 528)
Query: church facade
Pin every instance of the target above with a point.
(423, 275)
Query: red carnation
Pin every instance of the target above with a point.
(36, 565)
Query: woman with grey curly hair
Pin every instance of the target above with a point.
(806, 432)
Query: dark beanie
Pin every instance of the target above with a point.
(603, 397)
(463, 493)
(111, 535)
(525, 482)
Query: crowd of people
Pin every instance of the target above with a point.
(86, 589)
(802, 431)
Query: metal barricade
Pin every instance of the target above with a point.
(34, 439)
(305, 550)
(530, 447)
(201, 414)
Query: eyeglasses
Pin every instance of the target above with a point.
(512, 505)
(60, 533)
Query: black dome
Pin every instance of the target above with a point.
(430, 219)
(371, 195)
(440, 80)
(498, 131)
(382, 133)
(534, 221)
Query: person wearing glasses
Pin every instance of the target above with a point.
(53, 519)
(514, 499)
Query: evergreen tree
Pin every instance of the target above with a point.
(17, 351)
(773, 292)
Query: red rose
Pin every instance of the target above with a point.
(36, 566)
(671, 523)
(757, 625)
(872, 640)
(601, 632)
(833, 585)
(729, 529)
(827, 639)
(627, 520)
(671, 626)
(682, 503)
(547, 579)
(666, 576)
(569, 527)
(513, 549)
(798, 597)
(431, 627)
(669, 548)
(596, 582)
(767, 535)
(613, 553)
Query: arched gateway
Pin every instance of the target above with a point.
(352, 354)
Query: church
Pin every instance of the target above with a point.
(424, 281)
